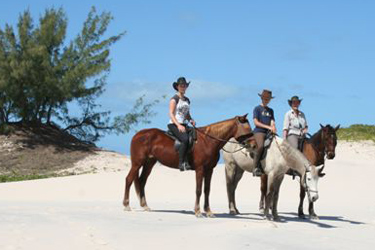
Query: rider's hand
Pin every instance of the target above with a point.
(192, 122)
(273, 129)
(181, 128)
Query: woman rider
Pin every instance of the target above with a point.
(179, 113)
(295, 125)
(264, 122)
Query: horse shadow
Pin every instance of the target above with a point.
(284, 218)
(321, 222)
(217, 215)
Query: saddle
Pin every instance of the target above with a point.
(267, 144)
(192, 134)
(301, 143)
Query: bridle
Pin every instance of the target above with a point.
(307, 189)
(322, 155)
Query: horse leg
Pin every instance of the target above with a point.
(277, 185)
(233, 175)
(312, 212)
(302, 195)
(133, 174)
(269, 196)
(147, 167)
(263, 192)
(198, 192)
(207, 187)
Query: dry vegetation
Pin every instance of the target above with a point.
(29, 152)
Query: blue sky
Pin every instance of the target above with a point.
(322, 51)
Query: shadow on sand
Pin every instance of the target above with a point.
(322, 222)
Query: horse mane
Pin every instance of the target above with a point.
(293, 156)
(218, 128)
(318, 133)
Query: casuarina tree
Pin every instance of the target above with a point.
(41, 74)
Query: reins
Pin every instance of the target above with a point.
(221, 140)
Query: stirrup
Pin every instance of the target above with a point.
(181, 166)
(186, 165)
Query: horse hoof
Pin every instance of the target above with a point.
(234, 212)
(146, 209)
(267, 217)
(261, 210)
(198, 215)
(314, 217)
(302, 216)
(210, 215)
(276, 218)
(127, 208)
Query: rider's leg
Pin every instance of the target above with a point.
(259, 138)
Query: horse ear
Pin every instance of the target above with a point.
(337, 127)
(248, 113)
(321, 125)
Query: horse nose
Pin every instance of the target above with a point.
(331, 155)
(315, 198)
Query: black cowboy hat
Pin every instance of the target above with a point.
(294, 98)
(180, 80)
(266, 93)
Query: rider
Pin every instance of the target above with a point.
(264, 122)
(295, 125)
(179, 113)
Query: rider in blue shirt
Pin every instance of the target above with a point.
(264, 122)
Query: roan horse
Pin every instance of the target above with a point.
(280, 157)
(321, 144)
(151, 145)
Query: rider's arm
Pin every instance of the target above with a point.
(261, 125)
(190, 119)
(286, 125)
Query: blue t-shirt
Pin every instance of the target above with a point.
(263, 115)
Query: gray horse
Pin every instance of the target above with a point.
(280, 157)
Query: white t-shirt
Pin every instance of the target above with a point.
(182, 109)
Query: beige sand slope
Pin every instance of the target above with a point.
(85, 212)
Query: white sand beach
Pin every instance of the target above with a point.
(86, 212)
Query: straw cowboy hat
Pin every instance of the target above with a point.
(180, 80)
(294, 98)
(266, 93)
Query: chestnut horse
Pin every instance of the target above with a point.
(151, 145)
(322, 144)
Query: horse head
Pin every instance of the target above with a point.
(243, 130)
(310, 181)
(329, 139)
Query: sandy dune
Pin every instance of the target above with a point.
(85, 212)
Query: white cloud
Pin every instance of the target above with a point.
(198, 90)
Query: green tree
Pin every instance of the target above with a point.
(40, 75)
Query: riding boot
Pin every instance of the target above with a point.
(182, 156)
(258, 171)
(186, 163)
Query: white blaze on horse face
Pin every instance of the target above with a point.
(312, 186)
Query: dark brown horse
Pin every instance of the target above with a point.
(151, 145)
(322, 144)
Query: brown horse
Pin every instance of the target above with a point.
(322, 144)
(151, 145)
